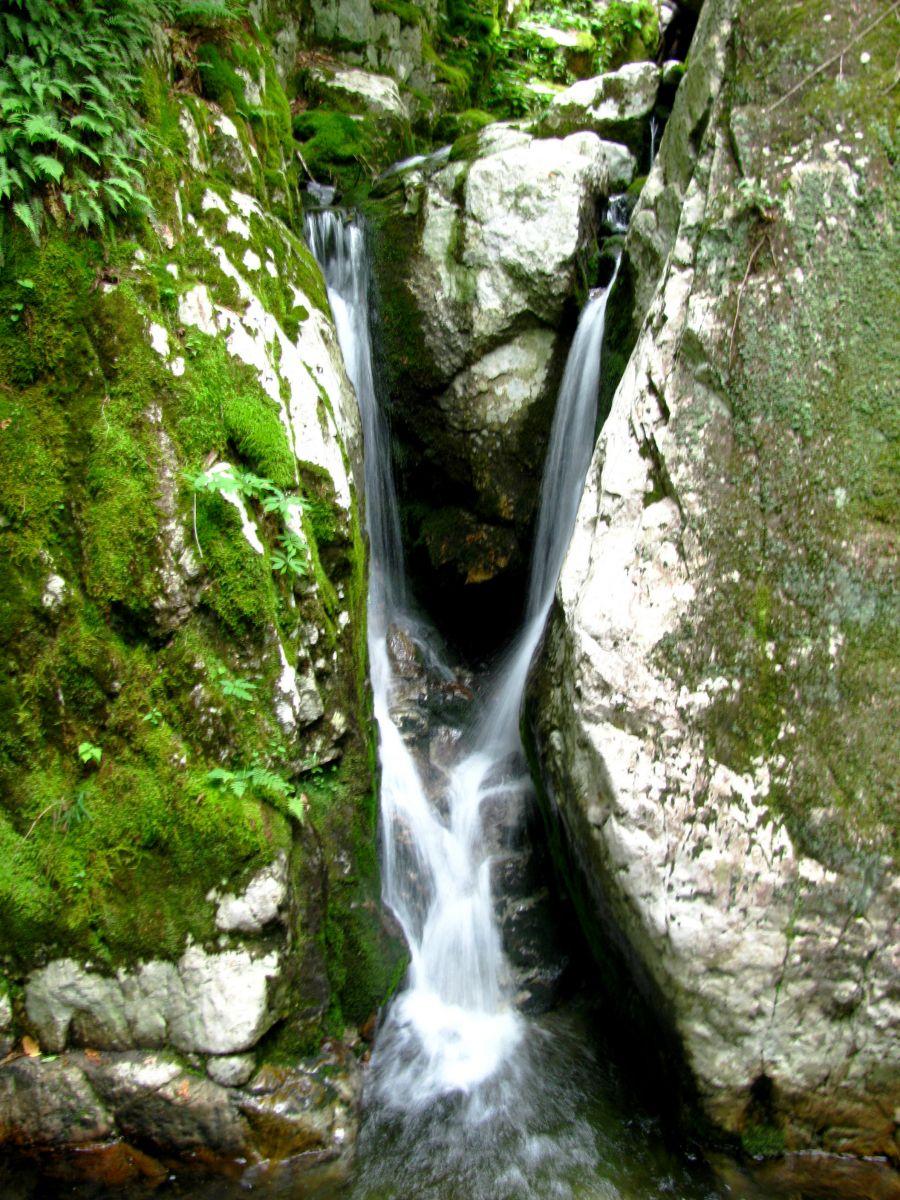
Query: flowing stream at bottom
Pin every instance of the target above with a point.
(466, 1097)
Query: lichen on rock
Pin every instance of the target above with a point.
(713, 710)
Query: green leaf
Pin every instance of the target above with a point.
(297, 808)
(38, 128)
(88, 752)
(50, 167)
(26, 216)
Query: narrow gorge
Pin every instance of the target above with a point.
(448, 499)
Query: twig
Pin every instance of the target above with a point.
(36, 819)
(196, 539)
(737, 311)
(835, 57)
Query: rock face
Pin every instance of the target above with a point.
(377, 37)
(713, 710)
(479, 261)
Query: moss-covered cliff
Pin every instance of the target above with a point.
(183, 697)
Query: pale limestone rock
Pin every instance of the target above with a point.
(204, 1003)
(614, 105)
(260, 902)
(491, 411)
(54, 593)
(375, 94)
(231, 1070)
(507, 249)
(768, 963)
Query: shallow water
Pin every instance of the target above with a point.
(559, 1123)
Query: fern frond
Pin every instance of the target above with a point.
(26, 215)
(49, 167)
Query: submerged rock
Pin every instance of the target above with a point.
(156, 1100)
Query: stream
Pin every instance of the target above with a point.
(467, 1096)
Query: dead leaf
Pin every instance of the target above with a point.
(30, 1046)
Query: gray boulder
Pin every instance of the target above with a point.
(615, 105)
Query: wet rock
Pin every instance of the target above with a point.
(307, 1110)
(231, 1070)
(155, 1100)
(406, 657)
(476, 550)
(50, 1104)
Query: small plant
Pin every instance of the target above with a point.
(756, 198)
(234, 686)
(72, 814)
(17, 308)
(89, 753)
(260, 779)
(292, 555)
(153, 717)
(70, 137)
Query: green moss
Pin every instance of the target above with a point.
(451, 126)
(457, 79)
(112, 861)
(763, 1141)
(364, 965)
(333, 141)
(241, 591)
(219, 79)
(409, 14)
(259, 437)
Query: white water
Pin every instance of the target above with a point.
(454, 1025)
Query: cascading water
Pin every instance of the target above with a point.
(466, 1097)
(455, 1023)
(454, 1020)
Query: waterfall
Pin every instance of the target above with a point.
(455, 1023)
(654, 137)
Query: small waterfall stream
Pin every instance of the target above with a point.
(466, 1096)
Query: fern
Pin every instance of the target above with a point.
(69, 84)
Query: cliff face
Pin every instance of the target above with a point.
(188, 808)
(715, 708)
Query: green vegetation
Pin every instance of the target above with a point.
(142, 758)
(71, 139)
(507, 68)
(332, 141)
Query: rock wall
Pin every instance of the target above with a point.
(481, 259)
(189, 875)
(715, 708)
